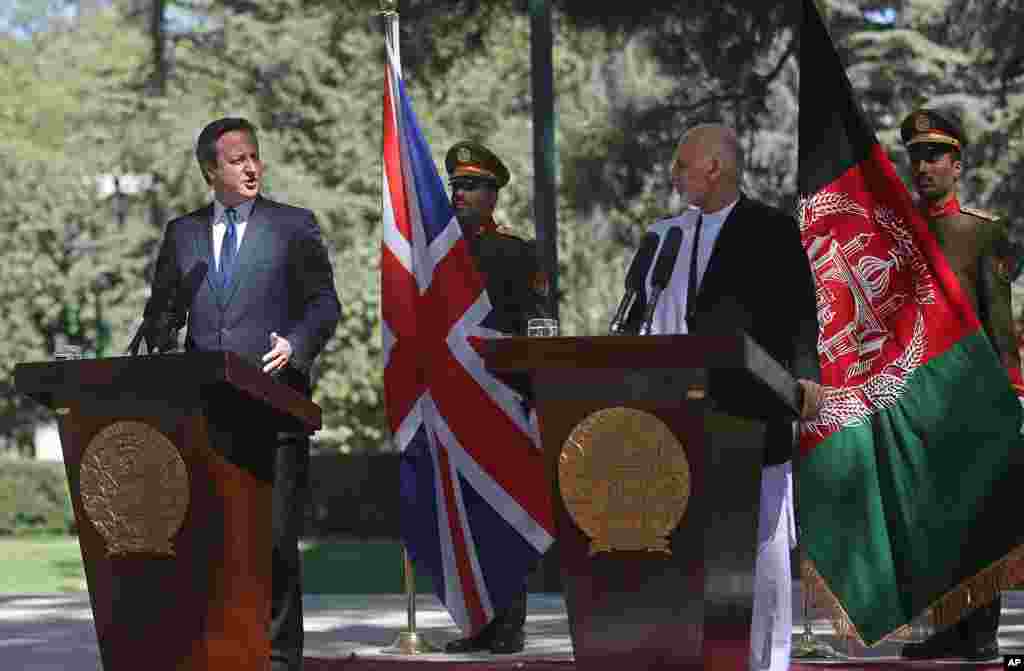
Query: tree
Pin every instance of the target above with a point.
(945, 52)
(310, 73)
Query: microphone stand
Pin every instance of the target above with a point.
(617, 326)
(645, 328)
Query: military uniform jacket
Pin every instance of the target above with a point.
(978, 250)
(515, 286)
(514, 281)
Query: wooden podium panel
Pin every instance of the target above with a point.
(203, 601)
(638, 609)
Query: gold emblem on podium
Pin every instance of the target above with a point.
(625, 480)
(135, 488)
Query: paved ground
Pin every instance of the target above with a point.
(55, 633)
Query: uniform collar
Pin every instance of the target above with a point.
(946, 208)
(489, 226)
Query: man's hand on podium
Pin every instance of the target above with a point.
(811, 398)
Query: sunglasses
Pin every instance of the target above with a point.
(928, 152)
(469, 184)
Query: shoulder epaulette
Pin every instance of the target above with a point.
(980, 214)
(507, 232)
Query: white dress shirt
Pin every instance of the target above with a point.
(220, 226)
(670, 312)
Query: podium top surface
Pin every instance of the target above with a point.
(730, 357)
(154, 374)
(737, 350)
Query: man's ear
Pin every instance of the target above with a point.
(958, 167)
(714, 168)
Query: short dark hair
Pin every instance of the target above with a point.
(206, 145)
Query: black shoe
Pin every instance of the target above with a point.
(508, 642)
(943, 645)
(981, 653)
(946, 643)
(469, 644)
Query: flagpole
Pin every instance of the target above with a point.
(805, 645)
(408, 641)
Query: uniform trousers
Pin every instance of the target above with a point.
(772, 620)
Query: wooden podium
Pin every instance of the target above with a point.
(169, 461)
(642, 608)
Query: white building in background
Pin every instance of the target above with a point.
(47, 442)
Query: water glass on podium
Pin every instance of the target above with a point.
(542, 327)
(64, 352)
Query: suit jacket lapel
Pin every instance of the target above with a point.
(724, 239)
(252, 242)
(203, 241)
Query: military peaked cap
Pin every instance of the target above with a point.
(934, 126)
(472, 159)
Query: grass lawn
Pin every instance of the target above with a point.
(40, 564)
(348, 566)
(355, 567)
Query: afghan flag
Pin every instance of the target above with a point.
(911, 476)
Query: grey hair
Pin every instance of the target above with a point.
(725, 146)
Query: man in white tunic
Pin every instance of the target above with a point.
(746, 267)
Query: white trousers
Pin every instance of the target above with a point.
(771, 625)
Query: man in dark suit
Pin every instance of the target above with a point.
(252, 276)
(742, 265)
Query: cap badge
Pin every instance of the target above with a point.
(464, 155)
(922, 123)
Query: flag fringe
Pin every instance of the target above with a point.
(821, 596)
(978, 590)
(975, 592)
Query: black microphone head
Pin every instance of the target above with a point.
(667, 257)
(637, 273)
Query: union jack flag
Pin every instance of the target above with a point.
(475, 512)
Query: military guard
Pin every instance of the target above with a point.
(979, 252)
(517, 288)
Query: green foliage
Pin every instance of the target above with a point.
(41, 565)
(78, 102)
(957, 53)
(310, 74)
(940, 52)
(34, 498)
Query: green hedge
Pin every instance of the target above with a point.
(34, 498)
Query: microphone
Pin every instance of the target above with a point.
(663, 267)
(160, 327)
(635, 278)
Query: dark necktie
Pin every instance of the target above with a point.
(228, 246)
(691, 290)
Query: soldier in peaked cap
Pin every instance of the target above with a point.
(472, 159)
(517, 288)
(979, 252)
(516, 284)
